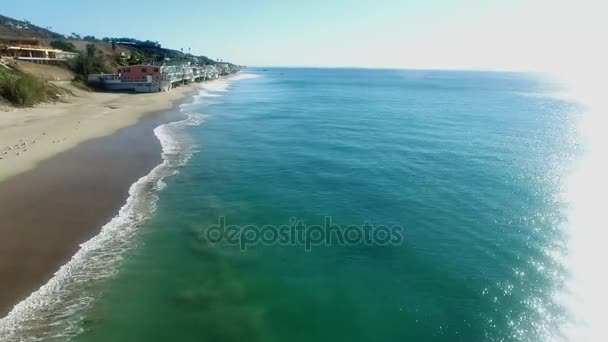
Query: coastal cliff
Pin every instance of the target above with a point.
(36, 63)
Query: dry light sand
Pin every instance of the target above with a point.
(30, 135)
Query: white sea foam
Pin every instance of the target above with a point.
(56, 310)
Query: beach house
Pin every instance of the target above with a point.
(145, 78)
(140, 73)
(32, 50)
(135, 78)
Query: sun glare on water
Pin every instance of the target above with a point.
(585, 191)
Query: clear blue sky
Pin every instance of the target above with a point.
(379, 33)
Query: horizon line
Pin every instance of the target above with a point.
(399, 68)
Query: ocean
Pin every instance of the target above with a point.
(336, 205)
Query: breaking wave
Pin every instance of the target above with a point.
(57, 309)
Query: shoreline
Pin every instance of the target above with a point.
(74, 215)
(76, 188)
(49, 211)
(29, 136)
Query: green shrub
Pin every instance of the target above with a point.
(24, 90)
(63, 45)
(90, 64)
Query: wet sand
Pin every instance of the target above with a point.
(47, 212)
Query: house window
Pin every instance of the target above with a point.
(155, 69)
(144, 70)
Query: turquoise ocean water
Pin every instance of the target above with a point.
(468, 165)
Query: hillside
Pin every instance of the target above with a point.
(23, 89)
(143, 51)
(11, 28)
(24, 83)
(44, 71)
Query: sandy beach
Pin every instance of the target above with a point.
(31, 135)
(65, 171)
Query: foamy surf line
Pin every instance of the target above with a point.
(57, 308)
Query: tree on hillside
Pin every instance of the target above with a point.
(63, 45)
(91, 62)
(91, 49)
